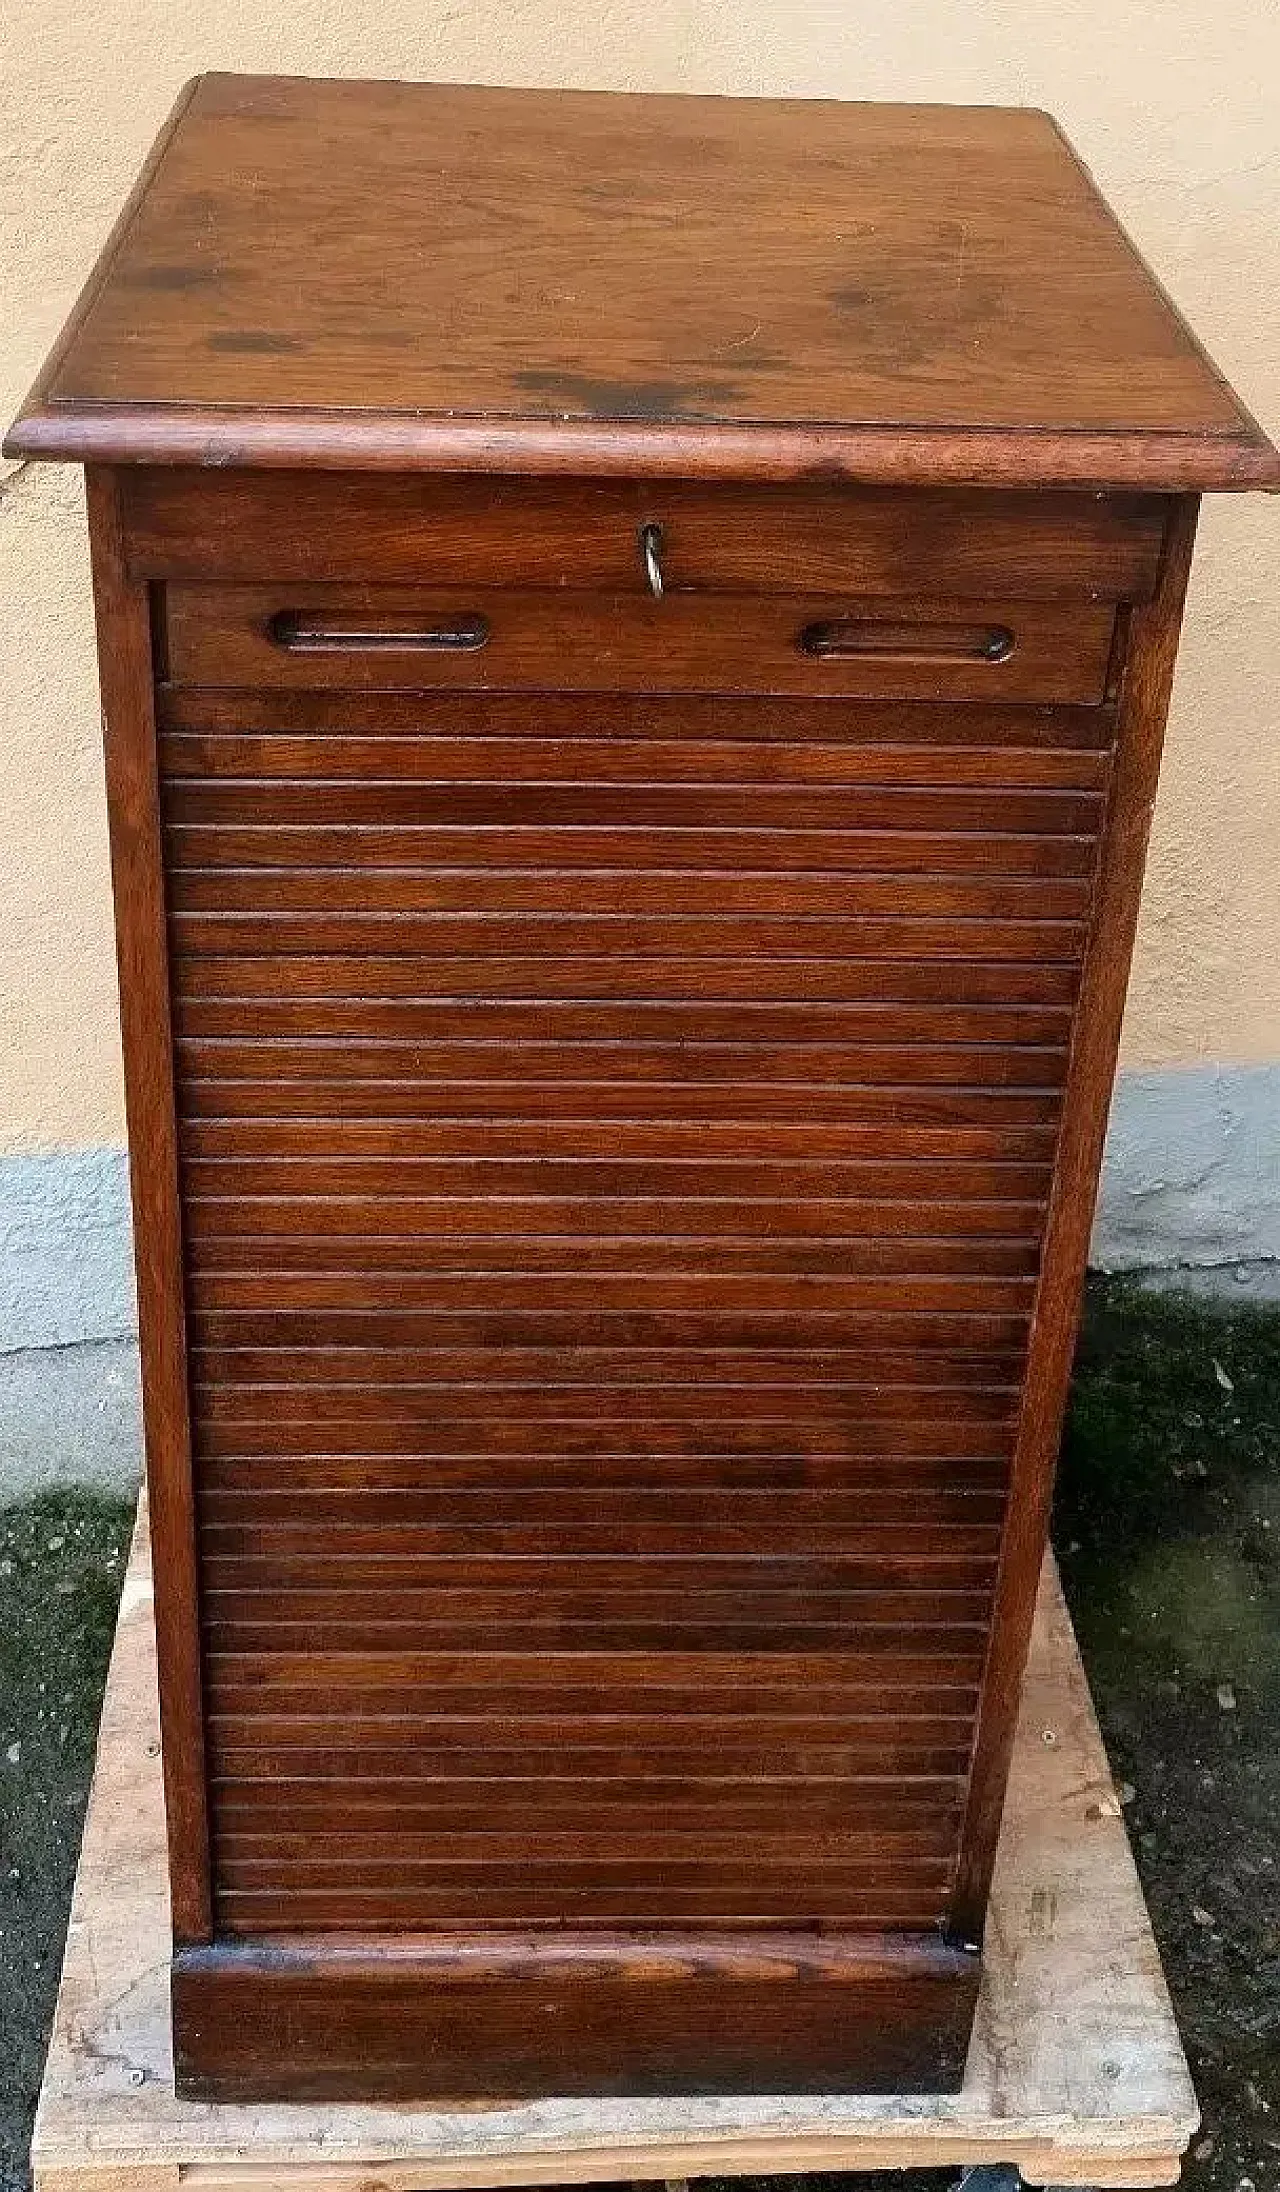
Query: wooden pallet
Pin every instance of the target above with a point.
(1076, 2074)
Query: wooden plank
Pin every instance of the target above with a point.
(965, 1072)
(468, 532)
(709, 718)
(705, 848)
(698, 805)
(936, 295)
(1075, 2076)
(877, 1304)
(133, 792)
(404, 1173)
(797, 1324)
(1144, 700)
(575, 895)
(424, 759)
(931, 961)
(870, 1260)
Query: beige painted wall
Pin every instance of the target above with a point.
(1172, 102)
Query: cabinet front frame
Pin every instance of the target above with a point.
(131, 660)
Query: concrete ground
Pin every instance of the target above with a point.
(1168, 1526)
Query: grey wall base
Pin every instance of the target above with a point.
(69, 1409)
(1191, 1185)
(1192, 1173)
(70, 1415)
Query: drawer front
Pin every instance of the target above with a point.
(518, 533)
(389, 639)
(615, 1144)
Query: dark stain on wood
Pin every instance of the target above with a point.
(178, 279)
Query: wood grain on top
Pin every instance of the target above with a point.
(365, 274)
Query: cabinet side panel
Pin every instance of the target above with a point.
(125, 670)
(1144, 699)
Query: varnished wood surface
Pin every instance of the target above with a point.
(1146, 686)
(616, 1077)
(616, 1132)
(825, 537)
(137, 874)
(687, 642)
(1075, 2071)
(600, 1232)
(924, 294)
(627, 720)
(616, 2013)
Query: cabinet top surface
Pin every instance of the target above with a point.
(441, 277)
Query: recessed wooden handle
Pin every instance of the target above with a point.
(865, 639)
(301, 634)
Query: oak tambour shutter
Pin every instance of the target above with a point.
(616, 1130)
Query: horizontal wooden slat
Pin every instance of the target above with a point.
(546, 1463)
(220, 1078)
(476, 1293)
(238, 1212)
(683, 900)
(334, 1775)
(706, 1179)
(801, 1256)
(794, 1327)
(363, 1512)
(792, 1398)
(930, 1048)
(611, 1535)
(721, 1629)
(438, 1753)
(704, 718)
(463, 1517)
(704, 848)
(536, 1116)
(348, 1610)
(785, 999)
(421, 954)
(597, 1685)
(560, 639)
(204, 1133)
(942, 1566)
(636, 1059)
(875, 1853)
(500, 532)
(832, 810)
(397, 1000)
(245, 1809)
(1022, 1150)
(603, 1367)
(669, 1879)
(423, 759)
(652, 1436)
(271, 1912)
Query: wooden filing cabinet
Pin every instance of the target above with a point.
(635, 636)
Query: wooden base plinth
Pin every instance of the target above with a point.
(1075, 2073)
(617, 2014)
